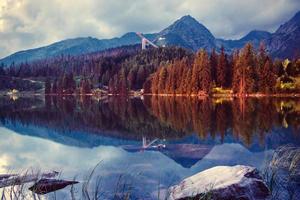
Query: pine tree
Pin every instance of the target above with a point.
(141, 77)
(205, 72)
(221, 69)
(131, 79)
(171, 81)
(267, 77)
(85, 86)
(235, 71)
(47, 86)
(195, 82)
(187, 82)
(2, 71)
(214, 62)
(123, 89)
(54, 87)
(111, 88)
(162, 80)
(154, 83)
(201, 74)
(244, 72)
(71, 83)
(261, 60)
(60, 86)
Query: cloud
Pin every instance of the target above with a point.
(32, 23)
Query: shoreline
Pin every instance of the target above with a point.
(254, 95)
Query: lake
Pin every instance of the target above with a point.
(141, 146)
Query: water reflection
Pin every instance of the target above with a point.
(158, 117)
(188, 135)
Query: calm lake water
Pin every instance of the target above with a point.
(144, 144)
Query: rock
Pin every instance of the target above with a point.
(222, 182)
(45, 186)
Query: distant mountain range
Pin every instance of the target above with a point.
(186, 32)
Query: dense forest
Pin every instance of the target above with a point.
(121, 69)
(169, 70)
(244, 72)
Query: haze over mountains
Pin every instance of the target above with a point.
(186, 32)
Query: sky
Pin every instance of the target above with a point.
(28, 24)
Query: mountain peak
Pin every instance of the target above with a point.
(189, 33)
(187, 18)
(256, 35)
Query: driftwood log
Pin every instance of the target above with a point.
(7, 180)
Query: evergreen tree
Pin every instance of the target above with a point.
(47, 86)
(111, 86)
(85, 86)
(141, 76)
(123, 89)
(54, 87)
(131, 79)
(60, 86)
(267, 78)
(205, 72)
(71, 83)
(171, 81)
(214, 62)
(195, 82)
(2, 71)
(235, 71)
(244, 72)
(162, 80)
(154, 83)
(221, 69)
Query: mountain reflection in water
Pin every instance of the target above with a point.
(188, 134)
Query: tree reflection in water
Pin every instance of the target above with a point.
(158, 117)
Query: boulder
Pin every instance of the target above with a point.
(222, 182)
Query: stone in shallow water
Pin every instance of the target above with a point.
(223, 182)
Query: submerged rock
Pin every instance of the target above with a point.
(45, 186)
(223, 182)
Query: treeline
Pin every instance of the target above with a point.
(169, 70)
(244, 72)
(118, 70)
(9, 83)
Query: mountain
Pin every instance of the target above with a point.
(187, 32)
(285, 42)
(74, 46)
(255, 37)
